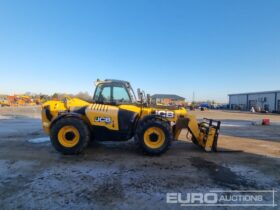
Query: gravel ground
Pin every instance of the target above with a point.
(114, 175)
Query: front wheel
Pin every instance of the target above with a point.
(70, 135)
(153, 136)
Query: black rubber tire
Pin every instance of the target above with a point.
(80, 125)
(194, 141)
(139, 136)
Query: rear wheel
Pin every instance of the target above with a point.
(153, 136)
(70, 135)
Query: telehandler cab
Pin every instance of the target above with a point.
(116, 115)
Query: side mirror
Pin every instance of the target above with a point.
(143, 94)
(139, 95)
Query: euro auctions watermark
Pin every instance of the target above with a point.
(224, 198)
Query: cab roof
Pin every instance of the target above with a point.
(112, 81)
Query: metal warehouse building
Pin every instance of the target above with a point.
(267, 100)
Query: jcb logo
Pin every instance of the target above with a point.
(167, 114)
(103, 119)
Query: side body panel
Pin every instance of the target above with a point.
(112, 123)
(103, 115)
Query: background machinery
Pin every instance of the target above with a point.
(116, 115)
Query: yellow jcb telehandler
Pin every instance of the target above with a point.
(116, 115)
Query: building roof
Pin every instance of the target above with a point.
(261, 92)
(170, 96)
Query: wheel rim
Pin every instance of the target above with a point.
(68, 136)
(154, 137)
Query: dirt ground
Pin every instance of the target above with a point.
(114, 175)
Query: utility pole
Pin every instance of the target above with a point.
(193, 97)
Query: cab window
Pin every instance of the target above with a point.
(105, 95)
(120, 95)
(97, 93)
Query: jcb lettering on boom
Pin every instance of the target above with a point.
(167, 114)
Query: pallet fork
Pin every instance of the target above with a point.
(205, 134)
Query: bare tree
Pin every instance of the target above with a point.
(84, 96)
